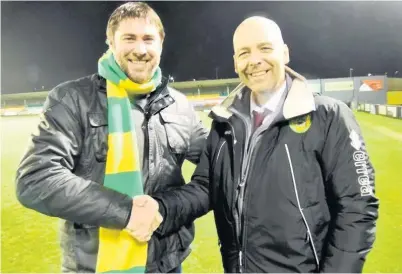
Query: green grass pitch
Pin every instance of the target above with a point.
(29, 240)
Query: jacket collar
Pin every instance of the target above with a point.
(299, 99)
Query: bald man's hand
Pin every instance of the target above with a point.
(145, 218)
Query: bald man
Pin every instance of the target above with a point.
(287, 174)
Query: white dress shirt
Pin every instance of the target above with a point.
(270, 106)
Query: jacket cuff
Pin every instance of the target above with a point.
(162, 210)
(129, 216)
(121, 212)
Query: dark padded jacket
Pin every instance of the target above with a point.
(306, 195)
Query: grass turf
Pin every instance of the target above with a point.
(29, 240)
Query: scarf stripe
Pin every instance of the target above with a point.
(124, 254)
(118, 251)
(118, 180)
(119, 161)
(119, 109)
(114, 91)
(131, 270)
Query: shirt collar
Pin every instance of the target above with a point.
(272, 102)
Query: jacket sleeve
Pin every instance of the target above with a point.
(198, 137)
(349, 178)
(181, 206)
(45, 181)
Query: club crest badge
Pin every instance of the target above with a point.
(301, 124)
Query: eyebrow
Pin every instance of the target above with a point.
(265, 44)
(259, 45)
(133, 35)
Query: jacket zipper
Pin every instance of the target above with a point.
(247, 155)
(240, 196)
(248, 151)
(147, 147)
(145, 127)
(309, 235)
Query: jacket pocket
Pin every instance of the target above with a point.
(98, 135)
(300, 181)
(185, 237)
(177, 129)
(86, 247)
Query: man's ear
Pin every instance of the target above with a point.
(110, 44)
(235, 65)
(286, 56)
(162, 45)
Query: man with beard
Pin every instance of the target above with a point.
(105, 140)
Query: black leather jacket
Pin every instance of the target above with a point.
(62, 172)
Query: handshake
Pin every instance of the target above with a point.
(145, 218)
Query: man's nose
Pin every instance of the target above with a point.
(255, 60)
(139, 49)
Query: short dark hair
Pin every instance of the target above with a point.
(133, 10)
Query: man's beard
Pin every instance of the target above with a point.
(139, 78)
(135, 77)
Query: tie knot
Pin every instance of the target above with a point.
(258, 118)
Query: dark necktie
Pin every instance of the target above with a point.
(258, 118)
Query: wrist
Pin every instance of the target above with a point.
(129, 215)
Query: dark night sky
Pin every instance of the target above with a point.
(45, 43)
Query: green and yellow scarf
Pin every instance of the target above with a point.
(118, 250)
